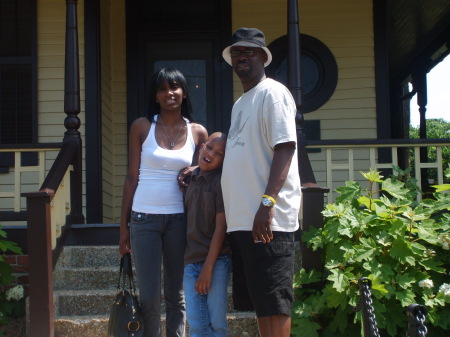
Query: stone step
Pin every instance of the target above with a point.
(80, 278)
(97, 302)
(89, 256)
(239, 325)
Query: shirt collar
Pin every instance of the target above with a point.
(207, 175)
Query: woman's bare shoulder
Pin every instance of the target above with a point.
(199, 132)
(140, 127)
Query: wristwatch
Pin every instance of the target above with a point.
(268, 201)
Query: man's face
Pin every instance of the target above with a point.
(248, 62)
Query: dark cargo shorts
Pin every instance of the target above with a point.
(263, 273)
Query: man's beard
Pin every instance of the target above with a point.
(243, 73)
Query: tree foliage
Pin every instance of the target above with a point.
(436, 128)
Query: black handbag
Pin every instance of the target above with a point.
(125, 319)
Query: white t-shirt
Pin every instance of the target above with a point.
(157, 191)
(261, 118)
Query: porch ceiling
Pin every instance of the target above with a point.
(416, 30)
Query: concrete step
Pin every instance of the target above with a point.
(89, 256)
(97, 302)
(239, 325)
(80, 278)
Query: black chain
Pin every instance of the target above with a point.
(416, 322)
(366, 305)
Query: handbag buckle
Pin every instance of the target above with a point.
(133, 326)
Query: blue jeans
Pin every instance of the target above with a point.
(207, 314)
(155, 237)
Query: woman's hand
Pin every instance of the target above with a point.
(124, 242)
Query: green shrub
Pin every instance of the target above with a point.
(12, 302)
(401, 245)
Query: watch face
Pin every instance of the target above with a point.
(267, 202)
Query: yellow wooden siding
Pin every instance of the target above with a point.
(114, 108)
(107, 116)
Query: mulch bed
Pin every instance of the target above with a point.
(15, 328)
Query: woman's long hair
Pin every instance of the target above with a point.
(174, 78)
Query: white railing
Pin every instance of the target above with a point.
(25, 178)
(342, 161)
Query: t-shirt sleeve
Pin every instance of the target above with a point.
(279, 117)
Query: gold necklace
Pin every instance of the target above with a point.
(172, 143)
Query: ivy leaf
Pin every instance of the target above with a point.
(378, 288)
(441, 188)
(339, 279)
(402, 252)
(406, 297)
(349, 192)
(305, 327)
(304, 277)
(430, 264)
(373, 176)
(382, 211)
(367, 202)
(428, 234)
(334, 298)
(366, 251)
(405, 280)
(339, 321)
(395, 188)
(383, 238)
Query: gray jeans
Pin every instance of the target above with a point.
(155, 237)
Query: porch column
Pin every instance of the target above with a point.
(313, 195)
(72, 107)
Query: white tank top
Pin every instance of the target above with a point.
(157, 191)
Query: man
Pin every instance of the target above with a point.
(261, 187)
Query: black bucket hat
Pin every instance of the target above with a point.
(248, 37)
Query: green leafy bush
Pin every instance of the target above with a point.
(401, 245)
(12, 302)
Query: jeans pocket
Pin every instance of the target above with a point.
(281, 248)
(137, 217)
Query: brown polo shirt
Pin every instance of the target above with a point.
(203, 200)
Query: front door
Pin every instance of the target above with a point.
(190, 45)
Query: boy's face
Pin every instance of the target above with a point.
(212, 154)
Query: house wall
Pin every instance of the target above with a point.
(114, 114)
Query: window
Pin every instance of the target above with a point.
(17, 71)
(319, 69)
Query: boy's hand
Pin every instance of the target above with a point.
(184, 175)
(203, 283)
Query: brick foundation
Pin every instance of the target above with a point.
(19, 263)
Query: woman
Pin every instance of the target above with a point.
(159, 147)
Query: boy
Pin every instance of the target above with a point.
(208, 257)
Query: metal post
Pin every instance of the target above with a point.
(313, 195)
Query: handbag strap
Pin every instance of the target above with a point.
(126, 273)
